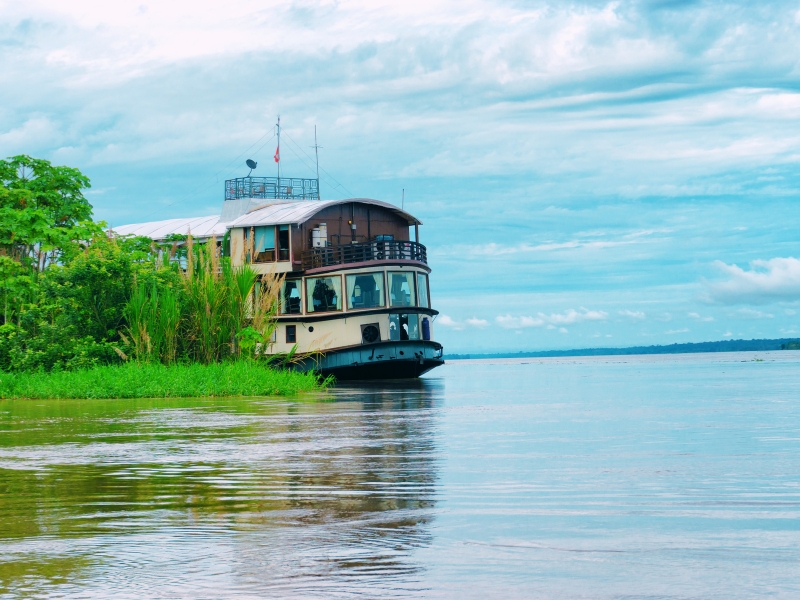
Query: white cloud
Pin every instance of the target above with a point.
(727, 334)
(636, 315)
(510, 322)
(573, 316)
(475, 322)
(674, 331)
(766, 281)
(494, 249)
(447, 321)
(749, 313)
(699, 317)
(552, 320)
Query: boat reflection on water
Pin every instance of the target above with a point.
(219, 497)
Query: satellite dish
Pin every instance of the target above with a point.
(252, 164)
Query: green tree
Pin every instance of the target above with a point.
(41, 209)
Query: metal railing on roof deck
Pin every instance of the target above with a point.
(272, 188)
(363, 252)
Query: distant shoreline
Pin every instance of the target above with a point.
(721, 346)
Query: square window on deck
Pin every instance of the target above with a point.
(365, 290)
(264, 244)
(401, 289)
(291, 302)
(323, 294)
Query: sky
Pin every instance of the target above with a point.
(588, 173)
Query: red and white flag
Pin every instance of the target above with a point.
(278, 154)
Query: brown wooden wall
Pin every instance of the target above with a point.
(370, 221)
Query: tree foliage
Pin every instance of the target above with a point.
(74, 297)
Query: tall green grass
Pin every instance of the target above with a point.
(204, 317)
(154, 380)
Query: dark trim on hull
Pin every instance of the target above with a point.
(406, 359)
(396, 369)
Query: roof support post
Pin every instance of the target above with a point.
(416, 232)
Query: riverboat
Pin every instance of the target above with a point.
(355, 301)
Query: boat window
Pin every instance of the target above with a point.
(401, 289)
(291, 303)
(422, 290)
(403, 327)
(323, 294)
(283, 242)
(365, 290)
(264, 244)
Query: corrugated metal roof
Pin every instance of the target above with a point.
(277, 213)
(200, 227)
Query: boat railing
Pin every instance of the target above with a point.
(328, 256)
(272, 188)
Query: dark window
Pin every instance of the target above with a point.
(290, 297)
(403, 327)
(283, 242)
(365, 290)
(401, 289)
(291, 334)
(323, 294)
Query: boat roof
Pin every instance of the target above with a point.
(281, 212)
(277, 212)
(199, 227)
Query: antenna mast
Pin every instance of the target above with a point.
(403, 201)
(316, 150)
(278, 153)
(316, 154)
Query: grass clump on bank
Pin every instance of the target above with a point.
(133, 380)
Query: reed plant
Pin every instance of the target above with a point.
(219, 312)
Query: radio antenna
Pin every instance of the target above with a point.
(403, 201)
(316, 154)
(278, 151)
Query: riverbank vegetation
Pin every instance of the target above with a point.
(76, 302)
(153, 380)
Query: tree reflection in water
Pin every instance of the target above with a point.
(218, 497)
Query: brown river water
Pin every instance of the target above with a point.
(601, 477)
